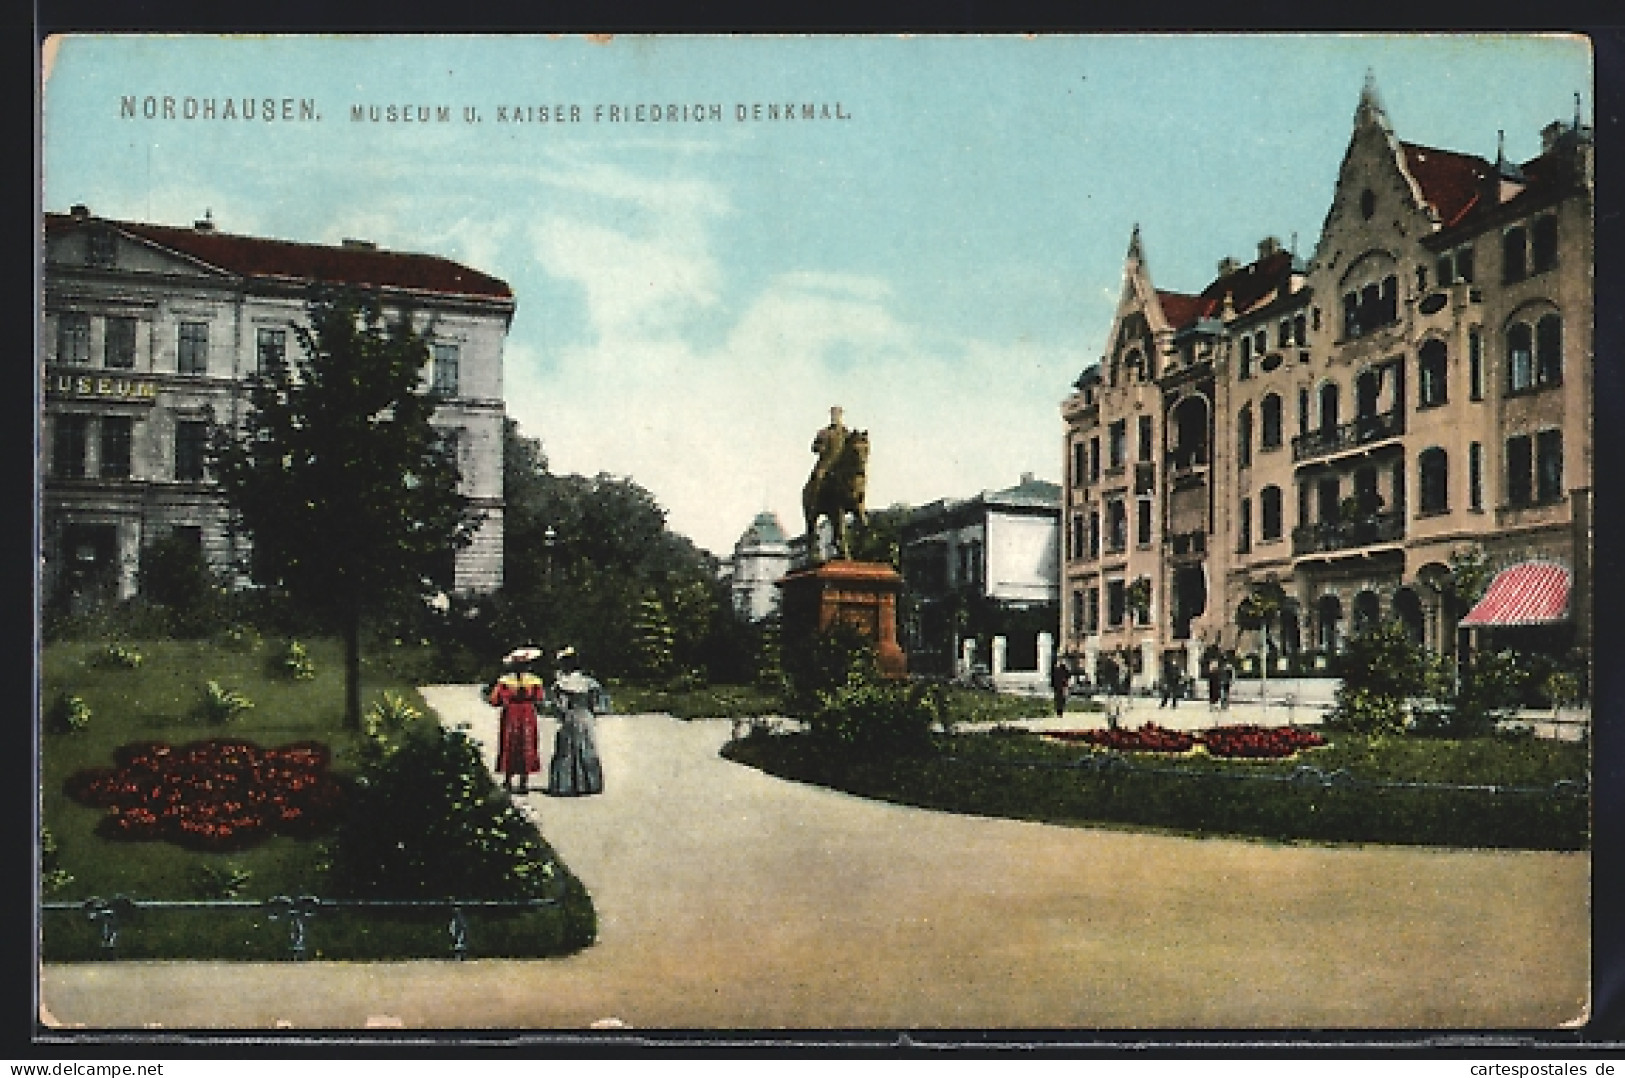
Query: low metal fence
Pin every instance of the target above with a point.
(113, 915)
(1307, 775)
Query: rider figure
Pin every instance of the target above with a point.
(828, 443)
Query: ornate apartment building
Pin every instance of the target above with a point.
(152, 335)
(1342, 426)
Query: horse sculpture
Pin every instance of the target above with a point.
(838, 489)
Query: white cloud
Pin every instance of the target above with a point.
(636, 287)
(719, 435)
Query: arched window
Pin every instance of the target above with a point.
(1244, 437)
(1244, 527)
(1432, 369)
(1245, 366)
(1269, 511)
(1549, 350)
(1270, 422)
(1520, 358)
(1368, 203)
(1300, 331)
(1433, 481)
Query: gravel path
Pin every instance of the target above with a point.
(731, 900)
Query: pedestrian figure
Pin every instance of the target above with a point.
(1060, 680)
(575, 768)
(1227, 674)
(1215, 680)
(518, 692)
(1172, 681)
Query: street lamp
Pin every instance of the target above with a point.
(549, 537)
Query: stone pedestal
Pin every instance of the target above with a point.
(861, 593)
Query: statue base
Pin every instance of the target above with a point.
(861, 593)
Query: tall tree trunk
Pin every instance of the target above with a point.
(352, 669)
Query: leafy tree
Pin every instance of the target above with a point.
(655, 637)
(1382, 669)
(346, 489)
(582, 556)
(881, 539)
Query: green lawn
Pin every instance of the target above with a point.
(1026, 776)
(157, 701)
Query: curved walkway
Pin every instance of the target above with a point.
(728, 899)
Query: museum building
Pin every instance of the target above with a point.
(152, 336)
(1342, 427)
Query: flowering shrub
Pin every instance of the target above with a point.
(1148, 738)
(1254, 742)
(1258, 742)
(212, 795)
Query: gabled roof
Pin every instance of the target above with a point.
(1247, 286)
(283, 260)
(1182, 310)
(1451, 182)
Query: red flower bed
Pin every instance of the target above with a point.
(1258, 742)
(212, 795)
(1255, 742)
(1148, 738)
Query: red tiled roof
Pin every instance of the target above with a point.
(253, 256)
(1251, 282)
(1529, 593)
(1182, 310)
(1450, 181)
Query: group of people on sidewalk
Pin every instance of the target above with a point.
(1218, 670)
(575, 768)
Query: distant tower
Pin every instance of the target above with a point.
(761, 558)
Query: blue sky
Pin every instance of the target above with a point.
(692, 297)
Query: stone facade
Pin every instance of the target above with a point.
(980, 568)
(151, 336)
(1342, 425)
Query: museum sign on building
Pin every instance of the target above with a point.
(152, 336)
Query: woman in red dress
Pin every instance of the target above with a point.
(518, 692)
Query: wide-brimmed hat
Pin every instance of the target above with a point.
(524, 654)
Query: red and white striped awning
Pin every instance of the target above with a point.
(1529, 593)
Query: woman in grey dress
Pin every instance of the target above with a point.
(575, 768)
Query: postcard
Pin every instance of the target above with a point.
(1197, 427)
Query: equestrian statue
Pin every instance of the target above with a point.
(838, 481)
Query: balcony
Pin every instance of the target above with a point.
(1363, 430)
(1350, 535)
